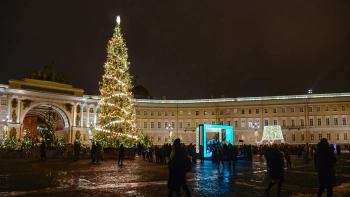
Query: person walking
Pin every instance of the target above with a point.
(93, 152)
(98, 152)
(287, 156)
(121, 154)
(276, 168)
(325, 162)
(43, 151)
(220, 156)
(76, 150)
(177, 173)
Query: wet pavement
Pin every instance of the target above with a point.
(64, 177)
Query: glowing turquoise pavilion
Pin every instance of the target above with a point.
(206, 133)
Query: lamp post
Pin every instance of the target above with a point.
(256, 133)
(169, 128)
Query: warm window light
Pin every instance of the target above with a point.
(310, 91)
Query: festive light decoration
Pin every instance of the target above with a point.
(272, 133)
(117, 112)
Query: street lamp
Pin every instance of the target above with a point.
(256, 132)
(169, 128)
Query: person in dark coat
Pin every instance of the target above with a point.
(276, 168)
(76, 150)
(43, 151)
(93, 151)
(177, 173)
(121, 154)
(325, 161)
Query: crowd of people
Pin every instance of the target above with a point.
(277, 157)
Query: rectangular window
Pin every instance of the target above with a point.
(188, 124)
(243, 124)
(91, 110)
(345, 136)
(159, 125)
(293, 137)
(181, 113)
(335, 108)
(205, 112)
(145, 125)
(229, 123)
(319, 122)
(266, 111)
(236, 138)
(311, 122)
(301, 109)
(166, 113)
(145, 113)
(152, 138)
(284, 137)
(293, 122)
(257, 111)
(250, 123)
(180, 125)
(327, 121)
(236, 124)
(343, 108)
(159, 138)
(4, 101)
(318, 108)
(312, 137)
(302, 137)
(84, 109)
(172, 113)
(165, 124)
(242, 111)
(292, 109)
(335, 121)
(336, 136)
(302, 122)
(197, 113)
(249, 111)
(344, 121)
(152, 125)
(328, 136)
(274, 122)
(213, 122)
(311, 108)
(227, 111)
(283, 110)
(319, 137)
(221, 112)
(138, 112)
(152, 113)
(266, 122)
(274, 110)
(284, 123)
(326, 108)
(173, 125)
(212, 112)
(159, 113)
(188, 112)
(235, 111)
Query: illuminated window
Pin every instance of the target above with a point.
(180, 125)
(336, 136)
(345, 136)
(312, 137)
(4, 101)
(335, 121)
(165, 124)
(328, 136)
(344, 121)
(173, 125)
(188, 112)
(212, 112)
(319, 136)
(235, 111)
(205, 112)
(293, 122)
(180, 113)
(227, 111)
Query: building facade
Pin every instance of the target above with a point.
(303, 118)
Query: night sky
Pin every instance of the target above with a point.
(184, 49)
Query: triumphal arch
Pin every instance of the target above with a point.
(24, 104)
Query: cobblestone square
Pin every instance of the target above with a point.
(64, 177)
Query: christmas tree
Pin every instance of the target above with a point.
(117, 113)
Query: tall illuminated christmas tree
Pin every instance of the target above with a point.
(117, 112)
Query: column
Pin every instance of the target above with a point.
(81, 115)
(18, 111)
(88, 117)
(95, 115)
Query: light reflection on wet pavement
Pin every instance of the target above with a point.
(63, 177)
